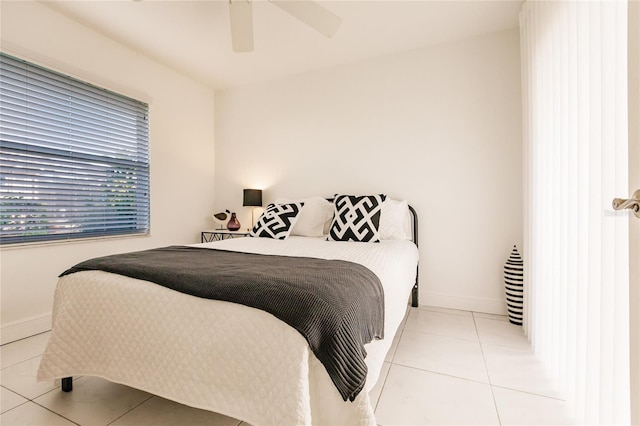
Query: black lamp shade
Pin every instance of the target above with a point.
(252, 197)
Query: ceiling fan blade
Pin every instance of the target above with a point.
(312, 14)
(240, 12)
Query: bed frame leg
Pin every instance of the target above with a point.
(414, 292)
(67, 384)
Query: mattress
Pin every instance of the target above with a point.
(214, 355)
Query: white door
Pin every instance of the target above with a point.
(634, 222)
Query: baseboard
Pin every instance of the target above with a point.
(21, 329)
(489, 306)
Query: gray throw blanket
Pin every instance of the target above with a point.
(338, 306)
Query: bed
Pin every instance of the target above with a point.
(227, 357)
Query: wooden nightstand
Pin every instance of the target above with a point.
(220, 234)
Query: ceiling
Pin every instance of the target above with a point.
(194, 38)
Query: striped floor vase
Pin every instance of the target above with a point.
(513, 272)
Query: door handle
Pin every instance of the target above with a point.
(631, 203)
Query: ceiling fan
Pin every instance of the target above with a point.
(308, 11)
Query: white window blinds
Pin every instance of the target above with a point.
(74, 158)
(574, 65)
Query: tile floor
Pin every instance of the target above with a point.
(445, 367)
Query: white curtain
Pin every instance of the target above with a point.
(574, 81)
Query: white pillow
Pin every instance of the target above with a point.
(314, 218)
(395, 220)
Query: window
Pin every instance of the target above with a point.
(74, 158)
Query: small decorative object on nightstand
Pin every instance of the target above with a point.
(233, 224)
(221, 218)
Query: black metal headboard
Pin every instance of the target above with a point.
(414, 235)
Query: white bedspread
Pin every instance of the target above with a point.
(219, 356)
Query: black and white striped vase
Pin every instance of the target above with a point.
(513, 280)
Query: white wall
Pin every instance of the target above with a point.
(181, 144)
(439, 126)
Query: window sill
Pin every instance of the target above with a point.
(19, 246)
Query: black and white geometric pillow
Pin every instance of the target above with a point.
(356, 218)
(277, 221)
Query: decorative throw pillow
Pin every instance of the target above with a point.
(277, 221)
(395, 220)
(313, 216)
(356, 218)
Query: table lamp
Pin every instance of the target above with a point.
(252, 198)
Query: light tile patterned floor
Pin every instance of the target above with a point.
(445, 367)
